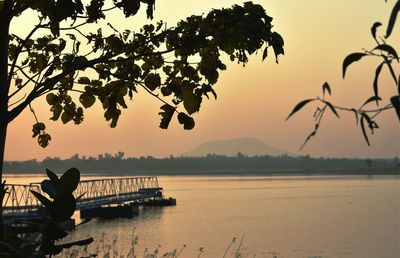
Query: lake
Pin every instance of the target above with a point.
(294, 216)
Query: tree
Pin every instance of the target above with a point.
(73, 68)
(368, 162)
(363, 116)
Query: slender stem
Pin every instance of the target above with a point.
(68, 28)
(389, 106)
(33, 112)
(16, 102)
(155, 95)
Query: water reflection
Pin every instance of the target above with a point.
(355, 216)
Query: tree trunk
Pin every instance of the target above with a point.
(4, 89)
(3, 133)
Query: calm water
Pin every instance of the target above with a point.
(283, 217)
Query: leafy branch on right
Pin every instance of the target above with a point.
(366, 118)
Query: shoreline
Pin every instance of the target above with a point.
(272, 173)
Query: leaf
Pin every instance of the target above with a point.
(191, 101)
(387, 48)
(375, 84)
(332, 108)
(43, 140)
(388, 63)
(299, 106)
(130, 93)
(363, 128)
(84, 80)
(392, 19)
(125, 34)
(55, 29)
(65, 205)
(44, 213)
(77, 243)
(66, 117)
(166, 115)
(46, 202)
(326, 87)
(130, 7)
(277, 44)
(51, 98)
(18, 83)
(187, 121)
(149, 9)
(395, 100)
(374, 27)
(49, 188)
(373, 98)
(265, 53)
(53, 177)
(152, 81)
(354, 57)
(56, 109)
(69, 181)
(71, 36)
(87, 99)
(356, 114)
(398, 85)
(208, 88)
(37, 128)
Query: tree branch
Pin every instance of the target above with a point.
(68, 28)
(156, 95)
(140, 56)
(19, 49)
(16, 102)
(49, 84)
(389, 106)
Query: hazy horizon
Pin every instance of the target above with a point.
(96, 155)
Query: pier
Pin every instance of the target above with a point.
(104, 196)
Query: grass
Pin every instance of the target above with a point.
(109, 249)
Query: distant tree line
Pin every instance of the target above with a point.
(108, 164)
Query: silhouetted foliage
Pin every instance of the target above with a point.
(74, 57)
(178, 65)
(364, 117)
(56, 210)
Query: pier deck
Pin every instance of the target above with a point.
(19, 202)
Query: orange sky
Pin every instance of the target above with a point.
(252, 101)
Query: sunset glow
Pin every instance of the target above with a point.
(253, 101)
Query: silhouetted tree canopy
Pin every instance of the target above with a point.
(117, 164)
(73, 68)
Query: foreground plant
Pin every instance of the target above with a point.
(54, 213)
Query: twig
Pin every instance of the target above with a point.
(16, 102)
(33, 112)
(240, 244)
(229, 246)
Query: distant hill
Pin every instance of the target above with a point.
(247, 146)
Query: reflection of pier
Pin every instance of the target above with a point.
(19, 202)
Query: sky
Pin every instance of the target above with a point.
(253, 101)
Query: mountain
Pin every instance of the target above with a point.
(247, 146)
